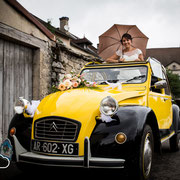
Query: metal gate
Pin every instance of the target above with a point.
(15, 79)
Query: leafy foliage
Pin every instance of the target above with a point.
(174, 81)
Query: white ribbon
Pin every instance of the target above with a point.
(105, 118)
(31, 108)
(114, 85)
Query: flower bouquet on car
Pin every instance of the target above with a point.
(71, 81)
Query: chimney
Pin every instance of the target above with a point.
(64, 24)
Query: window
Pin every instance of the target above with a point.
(174, 67)
(167, 89)
(153, 81)
(129, 75)
(156, 68)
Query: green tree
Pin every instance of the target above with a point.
(174, 81)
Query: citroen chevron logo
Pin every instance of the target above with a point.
(53, 127)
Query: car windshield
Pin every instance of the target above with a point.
(130, 75)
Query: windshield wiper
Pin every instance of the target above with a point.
(113, 81)
(109, 81)
(135, 78)
(102, 83)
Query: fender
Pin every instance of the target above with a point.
(130, 120)
(23, 130)
(176, 119)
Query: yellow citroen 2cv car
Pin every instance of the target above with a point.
(119, 123)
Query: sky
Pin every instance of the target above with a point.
(159, 20)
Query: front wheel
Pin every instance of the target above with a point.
(146, 155)
(143, 163)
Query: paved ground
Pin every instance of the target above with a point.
(166, 167)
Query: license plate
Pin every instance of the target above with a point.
(55, 147)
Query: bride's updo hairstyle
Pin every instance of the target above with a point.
(126, 36)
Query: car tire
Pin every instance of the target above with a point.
(174, 143)
(142, 164)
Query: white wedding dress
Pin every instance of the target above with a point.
(129, 56)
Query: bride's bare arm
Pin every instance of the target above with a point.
(114, 58)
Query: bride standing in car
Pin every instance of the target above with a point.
(128, 53)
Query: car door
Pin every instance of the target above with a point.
(160, 102)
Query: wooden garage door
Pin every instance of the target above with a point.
(15, 79)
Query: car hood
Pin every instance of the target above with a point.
(81, 105)
(80, 102)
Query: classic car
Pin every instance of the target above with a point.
(120, 123)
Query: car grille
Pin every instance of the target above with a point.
(55, 128)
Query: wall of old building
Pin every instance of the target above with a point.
(11, 17)
(17, 28)
(65, 60)
(174, 67)
(48, 61)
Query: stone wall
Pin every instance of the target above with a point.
(45, 70)
(65, 60)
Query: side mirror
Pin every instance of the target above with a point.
(160, 84)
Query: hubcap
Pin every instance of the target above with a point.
(147, 155)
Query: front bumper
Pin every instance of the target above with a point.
(23, 156)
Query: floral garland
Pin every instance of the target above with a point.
(71, 81)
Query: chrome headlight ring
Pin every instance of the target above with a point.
(108, 106)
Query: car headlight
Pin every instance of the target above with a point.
(20, 105)
(108, 106)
